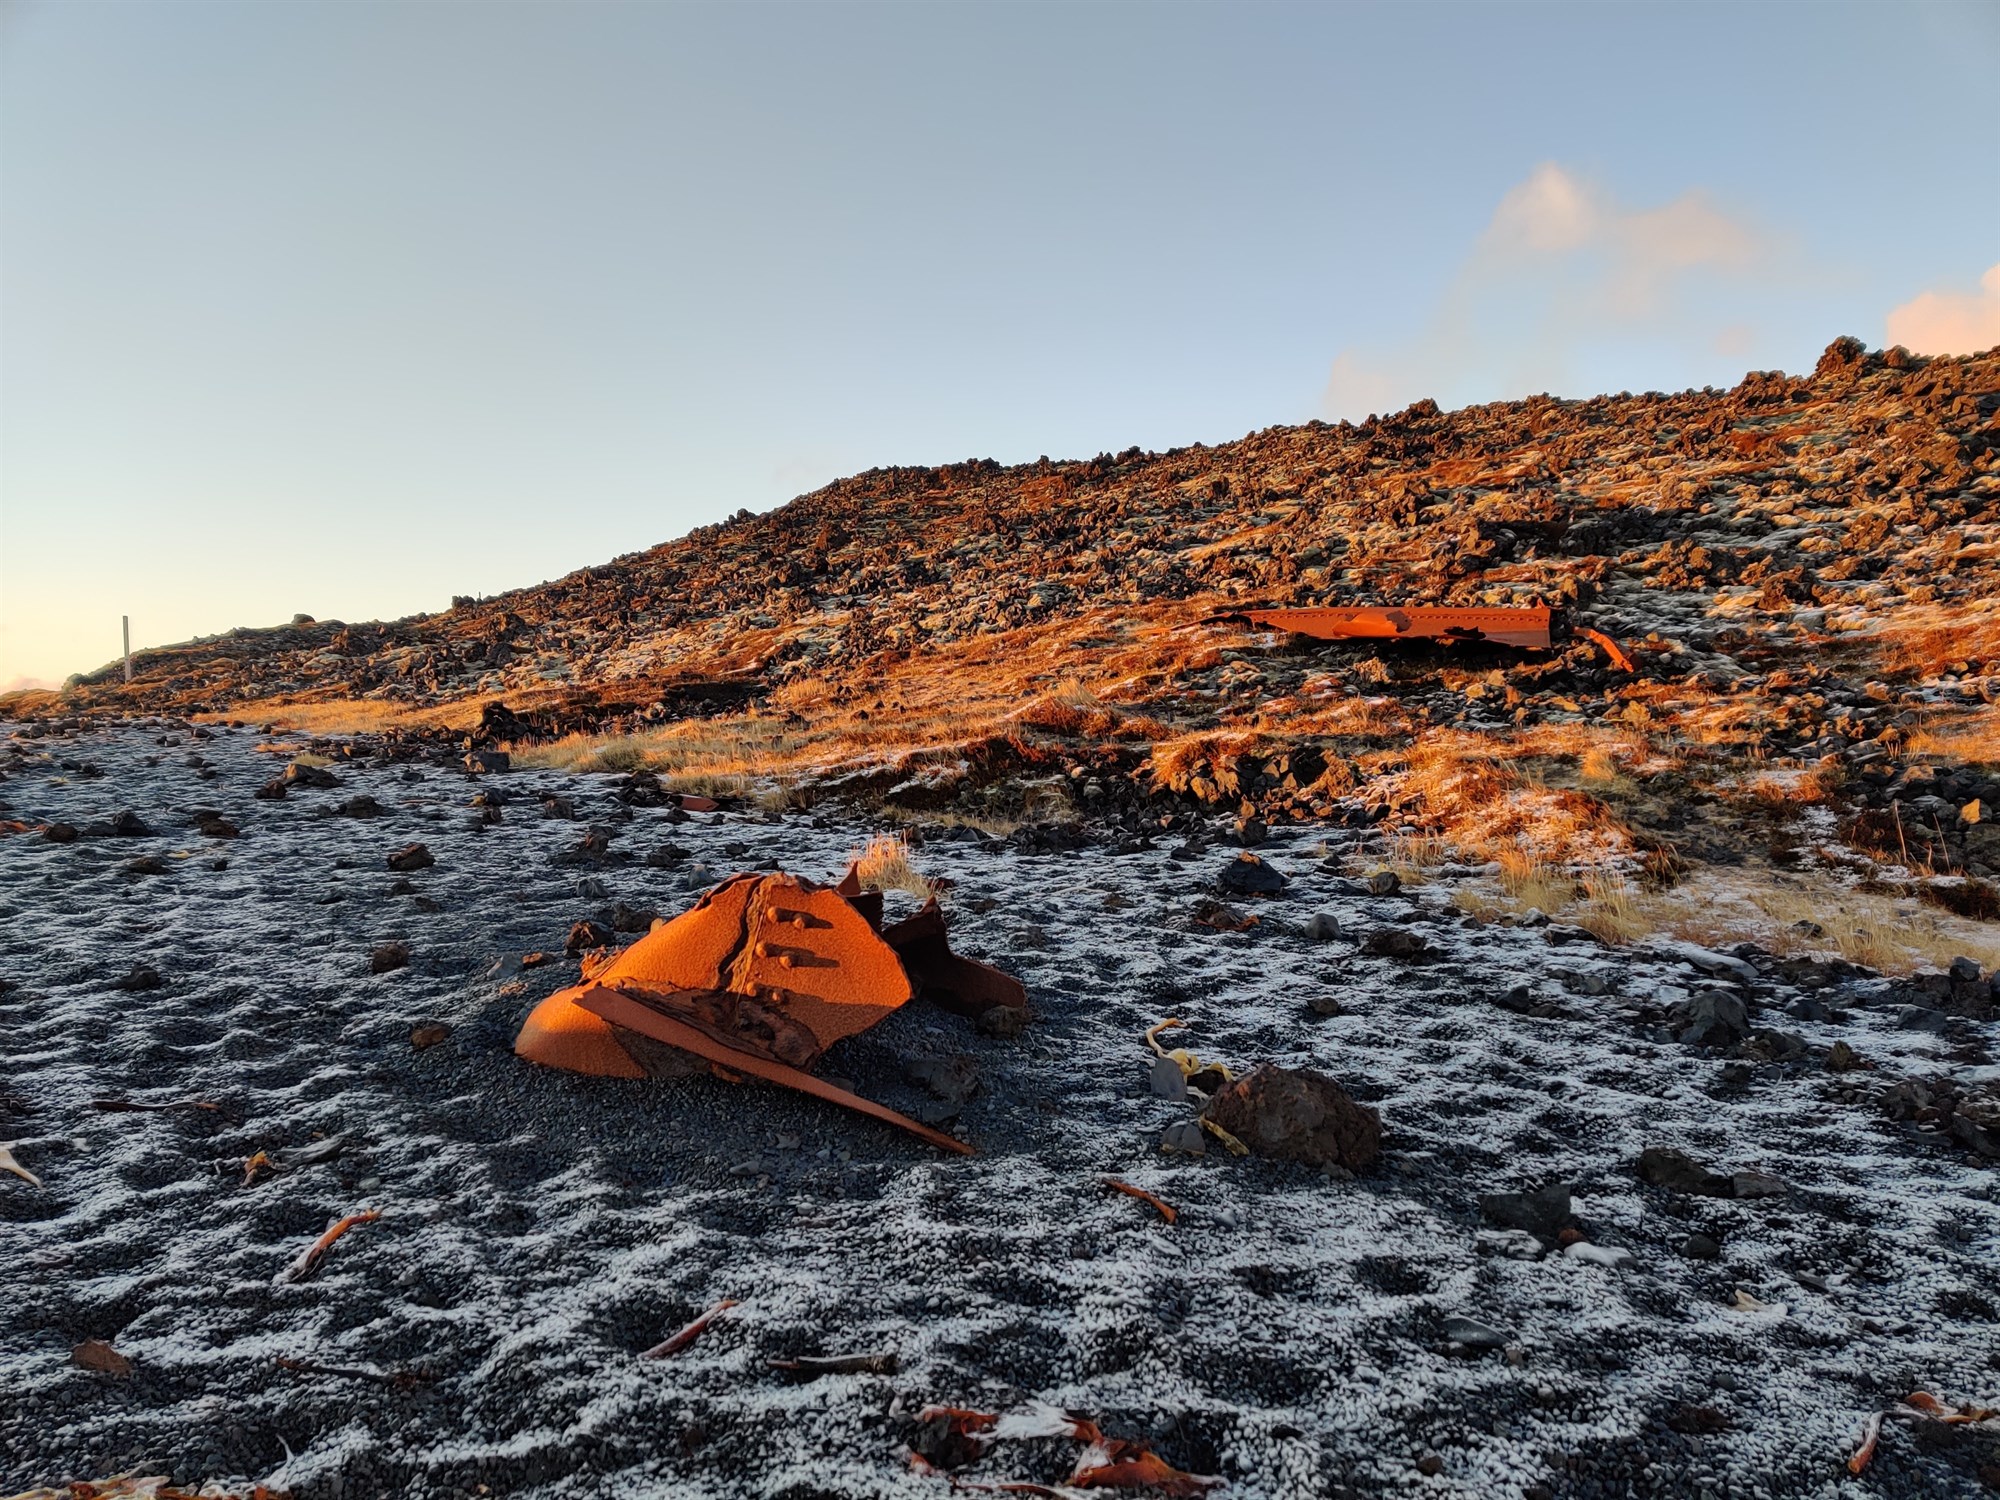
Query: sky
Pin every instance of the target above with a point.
(346, 308)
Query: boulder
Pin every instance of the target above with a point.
(1247, 875)
(1713, 1018)
(1296, 1114)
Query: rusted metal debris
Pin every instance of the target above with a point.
(758, 980)
(1527, 627)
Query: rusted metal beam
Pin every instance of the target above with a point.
(1529, 627)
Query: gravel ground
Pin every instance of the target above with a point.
(538, 1229)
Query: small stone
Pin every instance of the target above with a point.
(1513, 1244)
(1167, 1080)
(1250, 832)
(1323, 927)
(1384, 883)
(1326, 1005)
(411, 857)
(1185, 1138)
(1542, 1213)
(428, 1035)
(146, 864)
(1393, 942)
(586, 935)
(1430, 1465)
(1700, 1247)
(1003, 1021)
(951, 1079)
(1474, 1334)
(96, 1354)
(1757, 1185)
(142, 977)
(1677, 1172)
(388, 957)
(1613, 1256)
(60, 833)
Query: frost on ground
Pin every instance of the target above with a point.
(539, 1230)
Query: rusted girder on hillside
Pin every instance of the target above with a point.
(1527, 627)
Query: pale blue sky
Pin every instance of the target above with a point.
(346, 308)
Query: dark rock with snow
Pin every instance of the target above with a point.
(1247, 875)
(388, 957)
(1394, 942)
(1713, 1018)
(1677, 1172)
(411, 857)
(1296, 1114)
(1473, 1334)
(301, 775)
(1544, 1213)
(1323, 927)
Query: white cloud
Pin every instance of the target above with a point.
(1550, 213)
(1950, 322)
(1562, 266)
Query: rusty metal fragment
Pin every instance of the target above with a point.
(759, 979)
(1529, 627)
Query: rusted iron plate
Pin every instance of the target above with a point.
(626, 1008)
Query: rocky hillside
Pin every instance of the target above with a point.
(1801, 568)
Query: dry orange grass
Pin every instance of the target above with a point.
(1469, 793)
(1930, 640)
(885, 864)
(355, 715)
(1972, 737)
(1804, 916)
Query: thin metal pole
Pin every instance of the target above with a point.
(128, 646)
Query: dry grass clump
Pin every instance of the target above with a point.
(353, 715)
(1468, 791)
(1781, 790)
(1929, 641)
(885, 865)
(1534, 881)
(742, 746)
(1972, 737)
(1792, 916)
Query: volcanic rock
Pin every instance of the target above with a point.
(1296, 1114)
